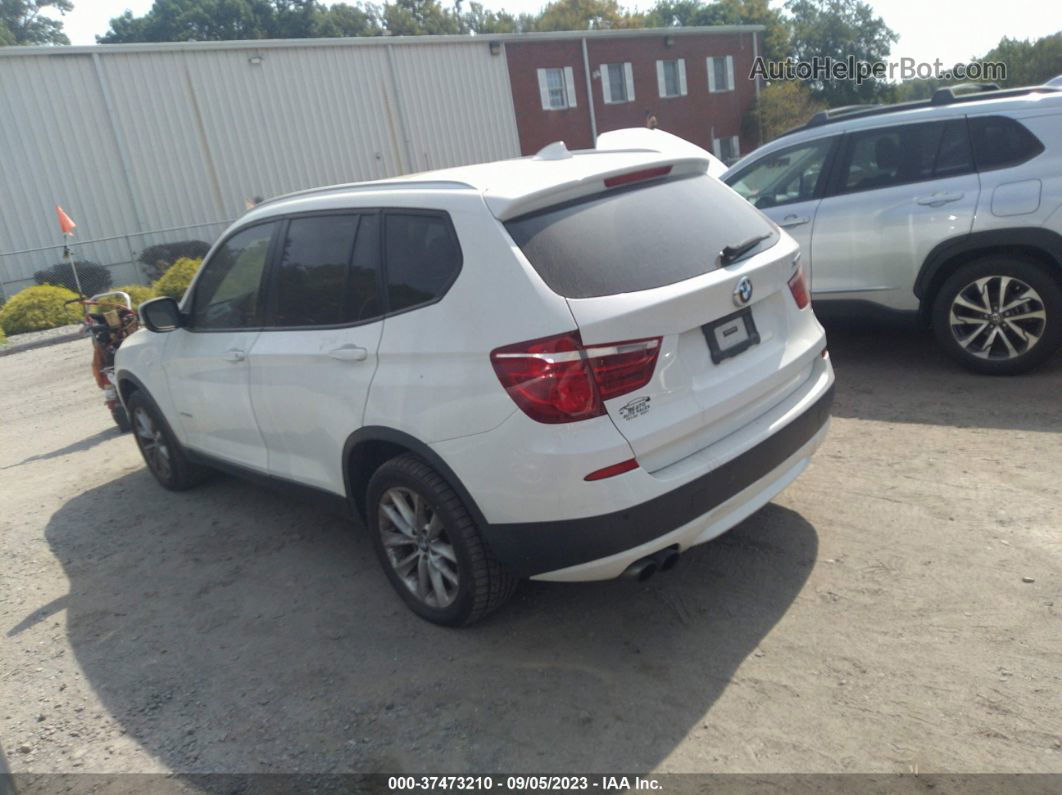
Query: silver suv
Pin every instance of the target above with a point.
(948, 210)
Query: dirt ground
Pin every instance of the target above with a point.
(897, 609)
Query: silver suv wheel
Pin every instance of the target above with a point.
(418, 547)
(997, 317)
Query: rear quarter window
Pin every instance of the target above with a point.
(1000, 142)
(637, 238)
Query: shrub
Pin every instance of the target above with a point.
(38, 308)
(94, 277)
(177, 278)
(156, 259)
(138, 293)
(3, 338)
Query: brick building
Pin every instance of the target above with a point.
(693, 80)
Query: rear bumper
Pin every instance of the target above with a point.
(600, 547)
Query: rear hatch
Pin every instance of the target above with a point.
(643, 261)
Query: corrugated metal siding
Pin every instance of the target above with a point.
(204, 129)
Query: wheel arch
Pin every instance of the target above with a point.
(369, 447)
(128, 384)
(1038, 243)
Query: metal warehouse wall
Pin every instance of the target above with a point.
(144, 144)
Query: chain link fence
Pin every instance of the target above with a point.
(122, 255)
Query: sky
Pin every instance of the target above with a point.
(951, 30)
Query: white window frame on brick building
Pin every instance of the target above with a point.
(720, 66)
(617, 83)
(556, 87)
(679, 78)
(727, 148)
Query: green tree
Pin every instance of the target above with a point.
(344, 19)
(684, 13)
(215, 20)
(586, 15)
(838, 29)
(1029, 63)
(481, 20)
(781, 106)
(22, 22)
(419, 17)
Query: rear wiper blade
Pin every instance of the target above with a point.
(731, 253)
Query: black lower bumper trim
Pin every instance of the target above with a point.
(529, 548)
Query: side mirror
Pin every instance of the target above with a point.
(160, 315)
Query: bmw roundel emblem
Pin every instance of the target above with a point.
(743, 291)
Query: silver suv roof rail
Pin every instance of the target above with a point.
(949, 95)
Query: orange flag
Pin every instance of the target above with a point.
(66, 223)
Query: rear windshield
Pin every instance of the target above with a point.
(638, 238)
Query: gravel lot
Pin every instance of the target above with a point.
(897, 609)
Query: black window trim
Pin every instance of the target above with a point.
(821, 184)
(264, 285)
(269, 275)
(835, 187)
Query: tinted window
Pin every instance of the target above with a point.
(999, 142)
(791, 175)
(638, 238)
(312, 270)
(228, 292)
(890, 156)
(954, 156)
(323, 277)
(422, 259)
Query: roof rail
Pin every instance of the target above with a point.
(942, 96)
(948, 94)
(367, 185)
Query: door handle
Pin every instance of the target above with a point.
(938, 199)
(234, 355)
(794, 220)
(349, 353)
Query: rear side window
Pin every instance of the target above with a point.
(637, 238)
(326, 271)
(423, 258)
(999, 142)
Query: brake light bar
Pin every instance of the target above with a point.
(558, 379)
(637, 176)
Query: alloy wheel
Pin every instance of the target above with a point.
(418, 547)
(153, 445)
(997, 317)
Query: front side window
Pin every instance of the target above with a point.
(790, 175)
(422, 258)
(320, 278)
(671, 77)
(1000, 142)
(228, 291)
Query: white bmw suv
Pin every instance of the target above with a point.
(565, 367)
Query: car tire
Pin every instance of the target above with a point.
(163, 454)
(121, 419)
(429, 546)
(999, 315)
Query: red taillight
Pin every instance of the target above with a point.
(637, 176)
(612, 471)
(556, 379)
(798, 286)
